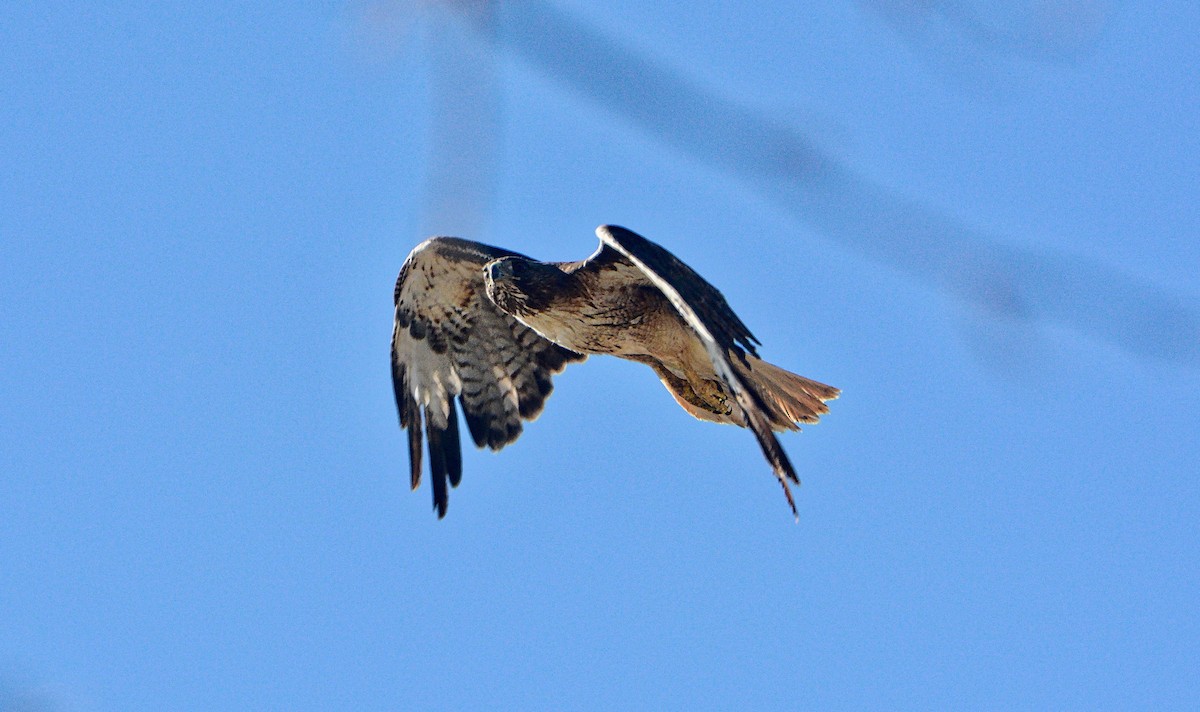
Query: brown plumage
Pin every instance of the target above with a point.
(491, 326)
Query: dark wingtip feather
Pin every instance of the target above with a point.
(437, 466)
(414, 442)
(787, 492)
(400, 386)
(451, 446)
(759, 424)
(778, 459)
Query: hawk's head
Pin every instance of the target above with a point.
(522, 286)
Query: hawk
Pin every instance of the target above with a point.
(490, 327)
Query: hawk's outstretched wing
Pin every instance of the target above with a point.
(718, 328)
(449, 340)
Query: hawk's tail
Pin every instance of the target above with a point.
(789, 399)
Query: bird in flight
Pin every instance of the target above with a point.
(490, 327)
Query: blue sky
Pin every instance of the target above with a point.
(203, 490)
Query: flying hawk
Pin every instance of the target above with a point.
(491, 327)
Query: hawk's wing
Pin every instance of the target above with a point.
(717, 327)
(450, 340)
